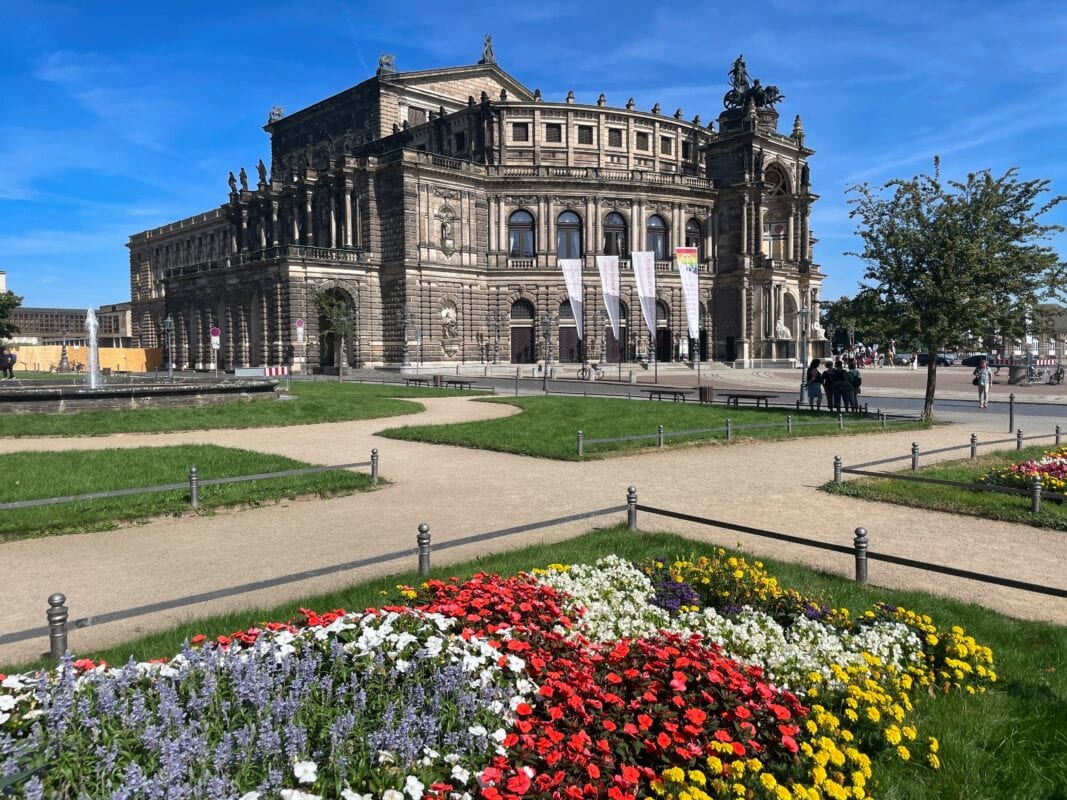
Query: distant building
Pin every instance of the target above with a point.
(67, 326)
(434, 205)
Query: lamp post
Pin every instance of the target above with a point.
(496, 321)
(168, 326)
(803, 353)
(547, 321)
(598, 321)
(354, 332)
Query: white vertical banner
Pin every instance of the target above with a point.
(644, 264)
(572, 276)
(688, 272)
(608, 266)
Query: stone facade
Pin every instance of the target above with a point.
(434, 205)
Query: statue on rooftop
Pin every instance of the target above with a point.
(488, 56)
(244, 179)
(387, 64)
(262, 168)
(233, 182)
(742, 91)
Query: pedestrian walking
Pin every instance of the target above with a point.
(854, 383)
(813, 385)
(983, 377)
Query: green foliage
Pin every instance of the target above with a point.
(9, 301)
(37, 475)
(950, 259)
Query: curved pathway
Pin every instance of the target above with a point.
(461, 492)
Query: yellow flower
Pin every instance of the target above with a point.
(933, 744)
(903, 753)
(933, 760)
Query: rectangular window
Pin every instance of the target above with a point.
(642, 141)
(461, 142)
(585, 134)
(553, 132)
(416, 116)
(520, 131)
(614, 137)
(687, 151)
(665, 145)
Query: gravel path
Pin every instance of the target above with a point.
(463, 492)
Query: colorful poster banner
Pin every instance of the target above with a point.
(572, 276)
(608, 266)
(688, 272)
(644, 263)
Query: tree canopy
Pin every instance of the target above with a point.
(952, 259)
(9, 301)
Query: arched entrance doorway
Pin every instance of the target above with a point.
(664, 340)
(337, 328)
(522, 332)
(791, 319)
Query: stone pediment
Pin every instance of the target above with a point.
(459, 83)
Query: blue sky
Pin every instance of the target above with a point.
(119, 117)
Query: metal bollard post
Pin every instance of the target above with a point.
(837, 469)
(1057, 434)
(423, 540)
(840, 422)
(631, 508)
(729, 431)
(659, 436)
(974, 445)
(1019, 439)
(861, 543)
(374, 464)
(1035, 495)
(914, 455)
(788, 423)
(581, 444)
(517, 383)
(881, 416)
(194, 488)
(57, 615)
(1011, 412)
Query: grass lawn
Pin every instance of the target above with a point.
(548, 425)
(957, 500)
(1008, 743)
(56, 474)
(316, 401)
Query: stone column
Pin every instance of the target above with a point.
(789, 251)
(805, 236)
(280, 321)
(296, 222)
(242, 335)
(228, 332)
(746, 203)
(244, 230)
(274, 223)
(333, 220)
(264, 327)
(198, 325)
(348, 213)
(309, 234)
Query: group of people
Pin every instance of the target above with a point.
(840, 382)
(7, 363)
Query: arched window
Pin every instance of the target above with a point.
(615, 238)
(566, 313)
(774, 181)
(569, 235)
(662, 314)
(521, 235)
(694, 237)
(522, 311)
(656, 237)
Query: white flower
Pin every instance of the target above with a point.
(385, 757)
(392, 794)
(296, 794)
(4, 718)
(250, 796)
(348, 794)
(7, 702)
(460, 775)
(477, 730)
(413, 786)
(306, 771)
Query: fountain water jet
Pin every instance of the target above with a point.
(91, 327)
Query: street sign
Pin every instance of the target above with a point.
(215, 334)
(300, 331)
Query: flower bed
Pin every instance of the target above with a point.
(1051, 468)
(686, 678)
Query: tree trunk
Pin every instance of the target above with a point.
(340, 357)
(931, 386)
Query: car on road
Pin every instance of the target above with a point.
(972, 360)
(943, 359)
(903, 359)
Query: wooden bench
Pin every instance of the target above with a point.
(417, 381)
(457, 383)
(677, 395)
(734, 397)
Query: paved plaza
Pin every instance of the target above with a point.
(461, 492)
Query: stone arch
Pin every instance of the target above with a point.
(339, 330)
(776, 179)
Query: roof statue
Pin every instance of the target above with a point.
(387, 64)
(741, 91)
(244, 179)
(233, 182)
(487, 50)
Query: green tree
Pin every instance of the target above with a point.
(337, 318)
(947, 258)
(9, 301)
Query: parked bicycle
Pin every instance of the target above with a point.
(590, 372)
(1056, 378)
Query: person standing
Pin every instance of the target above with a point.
(827, 379)
(855, 380)
(983, 377)
(813, 385)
